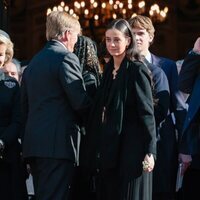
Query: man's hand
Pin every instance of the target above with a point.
(1, 148)
(186, 160)
(196, 47)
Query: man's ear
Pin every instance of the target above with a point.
(151, 38)
(66, 36)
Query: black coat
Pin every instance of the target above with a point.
(12, 174)
(137, 137)
(189, 82)
(10, 117)
(53, 101)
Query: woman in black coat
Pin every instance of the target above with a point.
(12, 182)
(120, 141)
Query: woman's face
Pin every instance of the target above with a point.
(116, 42)
(2, 54)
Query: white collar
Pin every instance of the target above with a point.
(148, 57)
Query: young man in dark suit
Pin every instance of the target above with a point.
(53, 101)
(189, 82)
(167, 144)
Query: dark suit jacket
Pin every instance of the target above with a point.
(167, 156)
(189, 82)
(160, 93)
(53, 100)
(177, 100)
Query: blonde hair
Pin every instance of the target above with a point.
(143, 22)
(9, 48)
(58, 22)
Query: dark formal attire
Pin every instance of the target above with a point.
(86, 51)
(169, 131)
(53, 102)
(12, 177)
(189, 82)
(161, 94)
(120, 132)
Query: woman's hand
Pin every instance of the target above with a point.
(148, 163)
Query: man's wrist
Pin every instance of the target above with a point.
(1, 144)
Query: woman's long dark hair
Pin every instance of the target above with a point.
(123, 26)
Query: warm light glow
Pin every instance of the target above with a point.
(77, 4)
(166, 9)
(95, 4)
(114, 16)
(62, 3)
(82, 4)
(60, 8)
(71, 11)
(121, 5)
(55, 8)
(48, 11)
(96, 17)
(134, 15)
(115, 6)
(111, 2)
(124, 11)
(103, 5)
(86, 11)
(141, 4)
(66, 8)
(105, 11)
(130, 6)
(162, 13)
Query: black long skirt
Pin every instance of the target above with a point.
(138, 188)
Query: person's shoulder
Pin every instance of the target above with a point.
(162, 58)
(167, 61)
(138, 65)
(155, 69)
(71, 56)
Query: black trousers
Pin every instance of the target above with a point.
(98, 184)
(12, 181)
(52, 178)
(191, 184)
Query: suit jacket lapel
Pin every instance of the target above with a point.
(193, 105)
(156, 60)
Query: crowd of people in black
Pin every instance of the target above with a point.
(108, 122)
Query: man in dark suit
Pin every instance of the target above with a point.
(53, 101)
(189, 82)
(167, 142)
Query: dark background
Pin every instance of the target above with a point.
(24, 20)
